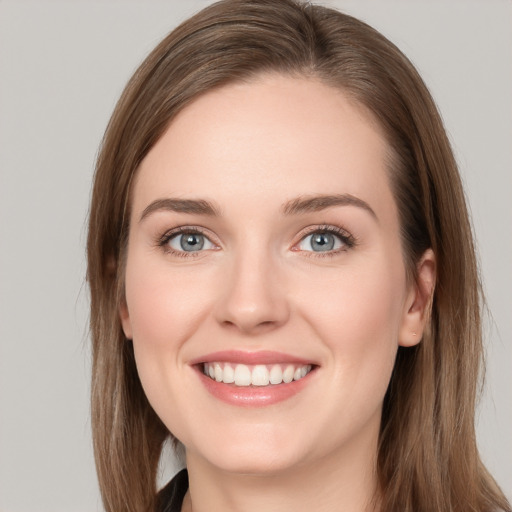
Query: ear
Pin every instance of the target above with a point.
(419, 301)
(126, 323)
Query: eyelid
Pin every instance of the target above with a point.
(163, 240)
(347, 239)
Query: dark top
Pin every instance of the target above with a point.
(170, 498)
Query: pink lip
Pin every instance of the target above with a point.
(250, 358)
(252, 396)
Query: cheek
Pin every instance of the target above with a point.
(164, 307)
(358, 315)
(165, 310)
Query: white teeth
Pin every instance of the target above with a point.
(218, 372)
(288, 374)
(276, 375)
(229, 374)
(242, 375)
(258, 375)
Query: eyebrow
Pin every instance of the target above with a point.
(195, 206)
(302, 204)
(306, 204)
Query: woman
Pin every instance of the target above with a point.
(282, 276)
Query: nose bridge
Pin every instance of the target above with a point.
(253, 297)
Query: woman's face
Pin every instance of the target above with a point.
(264, 249)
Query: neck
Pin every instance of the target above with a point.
(342, 480)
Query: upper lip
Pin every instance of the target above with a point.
(250, 358)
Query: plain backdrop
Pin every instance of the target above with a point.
(62, 67)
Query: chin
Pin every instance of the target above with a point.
(260, 454)
(262, 464)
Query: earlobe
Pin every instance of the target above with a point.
(124, 316)
(419, 301)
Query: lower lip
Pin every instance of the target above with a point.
(254, 396)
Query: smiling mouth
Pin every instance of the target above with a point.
(260, 375)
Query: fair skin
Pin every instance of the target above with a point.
(289, 255)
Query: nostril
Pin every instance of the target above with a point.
(250, 327)
(251, 308)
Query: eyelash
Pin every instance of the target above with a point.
(164, 240)
(348, 240)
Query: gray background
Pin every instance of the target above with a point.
(62, 67)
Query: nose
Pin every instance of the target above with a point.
(253, 296)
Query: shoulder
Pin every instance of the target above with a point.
(170, 498)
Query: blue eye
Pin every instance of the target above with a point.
(323, 241)
(189, 242)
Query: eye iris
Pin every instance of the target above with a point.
(192, 242)
(322, 242)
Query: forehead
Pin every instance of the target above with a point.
(265, 142)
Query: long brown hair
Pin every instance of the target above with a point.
(427, 457)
